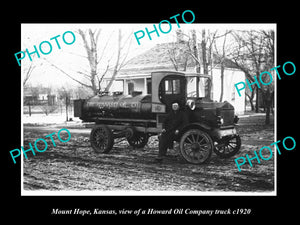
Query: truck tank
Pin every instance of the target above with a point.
(114, 106)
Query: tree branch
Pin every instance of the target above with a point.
(89, 86)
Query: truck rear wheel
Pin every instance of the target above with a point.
(138, 139)
(101, 139)
(196, 146)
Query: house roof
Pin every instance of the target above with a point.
(158, 58)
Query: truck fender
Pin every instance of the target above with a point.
(200, 126)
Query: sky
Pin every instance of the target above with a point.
(72, 58)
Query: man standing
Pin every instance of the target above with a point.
(173, 122)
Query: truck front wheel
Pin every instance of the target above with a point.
(196, 146)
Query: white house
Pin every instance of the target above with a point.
(231, 77)
(135, 76)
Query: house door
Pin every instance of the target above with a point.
(172, 89)
(130, 88)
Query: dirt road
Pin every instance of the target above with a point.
(74, 166)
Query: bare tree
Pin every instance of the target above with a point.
(27, 73)
(268, 91)
(239, 56)
(27, 69)
(194, 51)
(91, 50)
(64, 95)
(201, 51)
(173, 58)
(121, 57)
(178, 52)
(28, 66)
(94, 57)
(221, 56)
(46, 106)
(254, 54)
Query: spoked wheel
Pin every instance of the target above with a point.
(138, 139)
(228, 146)
(101, 139)
(196, 146)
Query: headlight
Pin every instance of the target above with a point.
(191, 104)
(236, 119)
(220, 120)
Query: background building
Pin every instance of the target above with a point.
(174, 56)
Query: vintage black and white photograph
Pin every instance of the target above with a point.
(148, 109)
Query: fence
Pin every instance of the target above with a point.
(59, 108)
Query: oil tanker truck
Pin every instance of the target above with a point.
(140, 114)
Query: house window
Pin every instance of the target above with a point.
(130, 88)
(149, 86)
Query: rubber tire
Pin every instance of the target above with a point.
(206, 137)
(109, 142)
(232, 153)
(138, 140)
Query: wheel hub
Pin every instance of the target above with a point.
(99, 137)
(195, 147)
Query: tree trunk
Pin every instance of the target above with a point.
(173, 60)
(256, 104)
(116, 68)
(203, 48)
(268, 101)
(195, 51)
(205, 65)
(185, 64)
(251, 97)
(222, 81)
(91, 56)
(252, 104)
(267, 114)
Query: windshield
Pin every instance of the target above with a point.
(203, 87)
